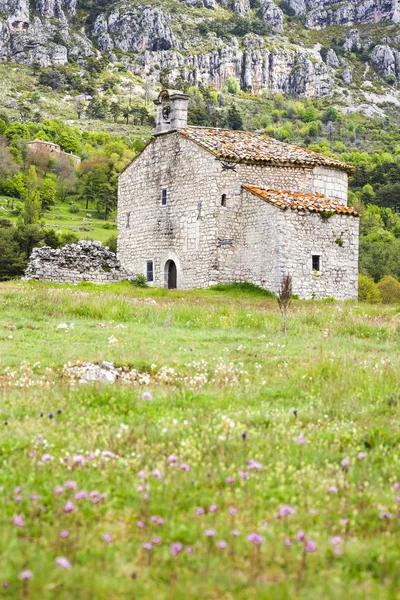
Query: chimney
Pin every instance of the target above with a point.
(172, 109)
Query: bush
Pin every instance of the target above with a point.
(140, 280)
(389, 289)
(111, 243)
(74, 209)
(368, 290)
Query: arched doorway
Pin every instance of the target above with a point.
(171, 274)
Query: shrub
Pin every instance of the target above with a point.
(74, 209)
(368, 290)
(389, 289)
(111, 243)
(140, 280)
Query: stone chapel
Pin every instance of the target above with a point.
(200, 206)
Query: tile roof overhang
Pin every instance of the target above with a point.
(246, 147)
(300, 201)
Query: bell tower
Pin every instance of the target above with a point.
(172, 111)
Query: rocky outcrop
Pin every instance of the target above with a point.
(271, 14)
(28, 32)
(347, 75)
(242, 7)
(139, 29)
(84, 261)
(352, 41)
(332, 59)
(386, 60)
(322, 13)
(257, 68)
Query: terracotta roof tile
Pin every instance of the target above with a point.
(247, 147)
(301, 201)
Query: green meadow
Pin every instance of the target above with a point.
(227, 460)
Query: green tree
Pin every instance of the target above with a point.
(28, 238)
(69, 143)
(12, 259)
(47, 193)
(115, 110)
(31, 198)
(232, 86)
(234, 118)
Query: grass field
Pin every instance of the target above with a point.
(84, 224)
(264, 466)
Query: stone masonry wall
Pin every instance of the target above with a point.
(184, 230)
(332, 183)
(84, 261)
(335, 240)
(247, 239)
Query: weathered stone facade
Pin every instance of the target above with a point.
(215, 231)
(84, 261)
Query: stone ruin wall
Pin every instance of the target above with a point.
(84, 261)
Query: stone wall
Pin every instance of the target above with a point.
(84, 261)
(335, 239)
(245, 240)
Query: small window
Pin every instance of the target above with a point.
(128, 220)
(223, 200)
(164, 195)
(316, 262)
(150, 270)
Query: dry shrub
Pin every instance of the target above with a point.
(368, 291)
(389, 289)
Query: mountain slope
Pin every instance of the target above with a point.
(305, 48)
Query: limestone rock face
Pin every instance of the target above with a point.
(386, 61)
(347, 75)
(322, 13)
(299, 72)
(142, 28)
(352, 41)
(332, 59)
(271, 14)
(28, 30)
(242, 7)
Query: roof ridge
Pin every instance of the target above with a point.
(251, 147)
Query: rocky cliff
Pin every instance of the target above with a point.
(207, 41)
(322, 13)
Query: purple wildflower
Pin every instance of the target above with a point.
(253, 464)
(18, 521)
(255, 538)
(69, 506)
(26, 574)
(176, 548)
(310, 546)
(210, 532)
(336, 540)
(63, 562)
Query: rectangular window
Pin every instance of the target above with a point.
(128, 220)
(164, 195)
(150, 270)
(316, 262)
